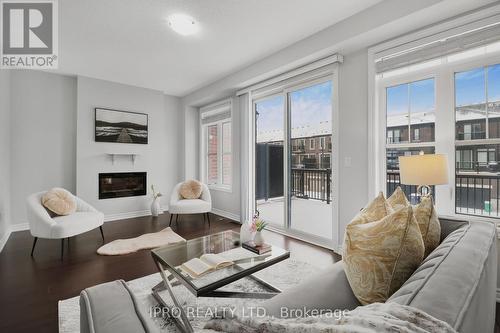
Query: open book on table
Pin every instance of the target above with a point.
(208, 262)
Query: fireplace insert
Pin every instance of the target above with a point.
(122, 184)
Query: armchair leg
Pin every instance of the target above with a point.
(171, 216)
(62, 248)
(102, 234)
(34, 243)
(208, 218)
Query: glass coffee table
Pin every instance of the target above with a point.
(169, 258)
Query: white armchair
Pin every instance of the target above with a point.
(178, 205)
(43, 225)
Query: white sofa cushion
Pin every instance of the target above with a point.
(189, 206)
(75, 224)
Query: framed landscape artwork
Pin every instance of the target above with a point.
(120, 126)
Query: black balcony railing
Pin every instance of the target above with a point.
(393, 181)
(488, 167)
(394, 139)
(471, 136)
(475, 194)
(312, 184)
(298, 148)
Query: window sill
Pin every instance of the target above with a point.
(221, 188)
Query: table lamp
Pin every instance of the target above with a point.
(424, 171)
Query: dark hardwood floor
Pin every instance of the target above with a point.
(31, 287)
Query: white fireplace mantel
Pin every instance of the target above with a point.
(126, 155)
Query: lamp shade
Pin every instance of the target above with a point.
(430, 169)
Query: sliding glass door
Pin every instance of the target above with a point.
(310, 118)
(269, 159)
(293, 159)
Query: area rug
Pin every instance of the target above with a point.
(143, 242)
(284, 275)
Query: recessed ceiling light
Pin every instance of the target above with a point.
(182, 24)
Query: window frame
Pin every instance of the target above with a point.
(322, 142)
(216, 108)
(416, 135)
(445, 141)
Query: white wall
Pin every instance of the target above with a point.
(191, 147)
(353, 137)
(159, 158)
(4, 156)
(43, 126)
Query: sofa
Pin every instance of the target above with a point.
(456, 283)
(112, 307)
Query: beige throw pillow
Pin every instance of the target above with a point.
(398, 199)
(380, 256)
(428, 222)
(59, 201)
(426, 217)
(374, 211)
(191, 189)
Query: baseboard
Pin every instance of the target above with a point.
(129, 215)
(19, 227)
(10, 230)
(4, 239)
(228, 215)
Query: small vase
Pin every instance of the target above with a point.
(245, 233)
(155, 207)
(258, 239)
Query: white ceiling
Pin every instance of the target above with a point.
(129, 41)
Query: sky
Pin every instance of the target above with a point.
(309, 105)
(469, 85)
(419, 95)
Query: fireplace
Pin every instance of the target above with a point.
(122, 184)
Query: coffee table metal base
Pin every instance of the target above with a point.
(182, 322)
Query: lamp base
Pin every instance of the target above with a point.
(424, 190)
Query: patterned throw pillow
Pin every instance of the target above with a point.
(380, 256)
(374, 211)
(398, 199)
(426, 217)
(428, 222)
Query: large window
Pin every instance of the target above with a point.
(477, 106)
(411, 112)
(451, 106)
(216, 143)
(410, 120)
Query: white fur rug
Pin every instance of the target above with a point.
(143, 242)
(283, 275)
